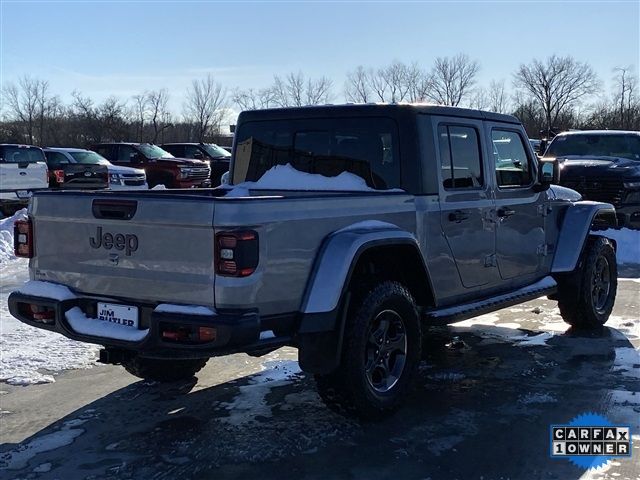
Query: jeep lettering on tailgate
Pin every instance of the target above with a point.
(127, 242)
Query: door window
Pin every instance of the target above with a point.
(513, 168)
(125, 152)
(192, 151)
(460, 160)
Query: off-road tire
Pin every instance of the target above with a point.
(581, 298)
(350, 389)
(163, 370)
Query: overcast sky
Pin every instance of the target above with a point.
(123, 48)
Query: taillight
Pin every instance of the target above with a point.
(237, 253)
(59, 174)
(23, 238)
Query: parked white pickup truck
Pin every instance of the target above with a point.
(23, 169)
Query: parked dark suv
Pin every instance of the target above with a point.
(602, 165)
(217, 156)
(161, 167)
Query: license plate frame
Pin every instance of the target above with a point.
(125, 316)
(22, 194)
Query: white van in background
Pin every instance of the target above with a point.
(23, 169)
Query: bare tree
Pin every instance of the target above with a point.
(318, 91)
(356, 87)
(140, 110)
(557, 83)
(27, 102)
(204, 105)
(497, 97)
(418, 83)
(252, 99)
(624, 95)
(296, 90)
(479, 99)
(452, 79)
(157, 100)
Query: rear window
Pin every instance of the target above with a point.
(367, 147)
(88, 157)
(17, 154)
(608, 145)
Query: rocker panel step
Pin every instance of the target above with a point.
(457, 313)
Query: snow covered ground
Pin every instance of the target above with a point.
(30, 355)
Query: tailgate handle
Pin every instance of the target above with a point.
(114, 209)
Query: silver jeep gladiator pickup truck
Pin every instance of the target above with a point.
(345, 230)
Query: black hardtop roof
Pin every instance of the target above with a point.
(374, 109)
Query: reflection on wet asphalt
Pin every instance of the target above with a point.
(487, 392)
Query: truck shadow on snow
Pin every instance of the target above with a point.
(482, 406)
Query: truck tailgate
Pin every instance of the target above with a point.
(151, 248)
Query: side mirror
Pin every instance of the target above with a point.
(134, 157)
(198, 155)
(549, 173)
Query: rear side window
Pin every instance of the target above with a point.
(177, 150)
(460, 160)
(363, 146)
(513, 168)
(56, 158)
(11, 154)
(106, 151)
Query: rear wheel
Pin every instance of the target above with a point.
(381, 353)
(586, 296)
(163, 370)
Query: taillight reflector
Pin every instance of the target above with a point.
(236, 253)
(23, 238)
(59, 175)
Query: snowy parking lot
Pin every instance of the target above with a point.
(488, 390)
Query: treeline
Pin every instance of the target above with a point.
(549, 95)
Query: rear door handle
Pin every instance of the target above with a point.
(505, 212)
(458, 216)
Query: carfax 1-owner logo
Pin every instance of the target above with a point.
(590, 441)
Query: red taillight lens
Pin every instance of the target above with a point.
(237, 253)
(23, 238)
(59, 175)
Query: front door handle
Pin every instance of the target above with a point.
(458, 216)
(505, 212)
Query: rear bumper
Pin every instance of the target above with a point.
(237, 331)
(11, 196)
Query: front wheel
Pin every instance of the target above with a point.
(382, 350)
(586, 296)
(163, 370)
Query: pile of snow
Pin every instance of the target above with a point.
(30, 355)
(628, 243)
(50, 290)
(160, 186)
(84, 325)
(285, 177)
(6, 235)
